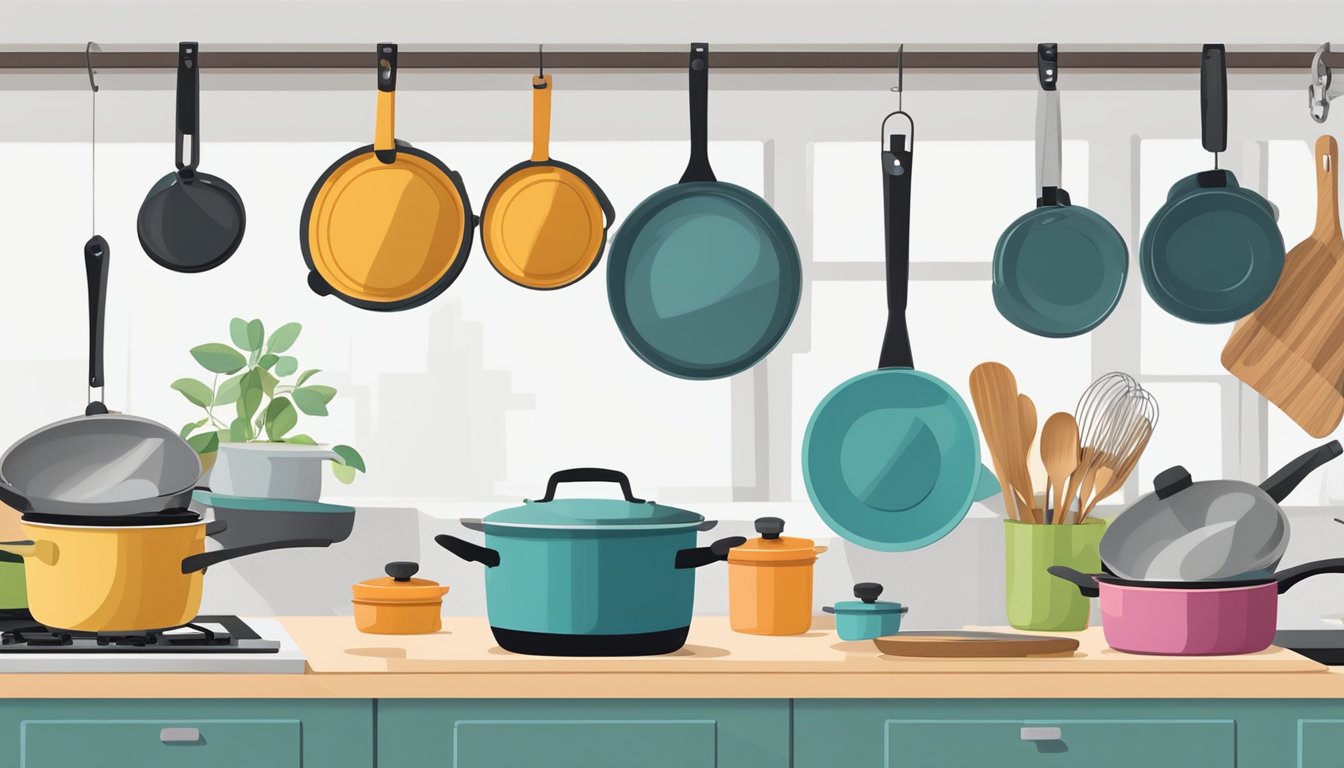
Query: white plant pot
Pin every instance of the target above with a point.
(270, 470)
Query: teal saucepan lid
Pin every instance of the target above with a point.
(1211, 254)
(867, 592)
(629, 512)
(253, 504)
(1059, 271)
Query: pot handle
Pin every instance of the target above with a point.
(216, 527)
(473, 524)
(1086, 584)
(1290, 576)
(26, 548)
(206, 559)
(1282, 483)
(708, 525)
(472, 553)
(11, 496)
(694, 558)
(589, 475)
(828, 609)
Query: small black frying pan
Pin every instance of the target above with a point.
(190, 221)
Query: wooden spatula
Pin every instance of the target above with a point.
(1291, 349)
(994, 394)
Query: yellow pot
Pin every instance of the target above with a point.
(770, 582)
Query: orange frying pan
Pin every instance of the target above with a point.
(545, 222)
(388, 226)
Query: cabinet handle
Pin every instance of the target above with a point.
(1041, 734)
(180, 735)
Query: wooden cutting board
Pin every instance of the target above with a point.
(1291, 349)
(966, 645)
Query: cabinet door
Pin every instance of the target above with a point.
(1060, 743)
(161, 743)
(1320, 743)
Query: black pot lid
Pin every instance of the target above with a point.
(165, 517)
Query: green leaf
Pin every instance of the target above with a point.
(228, 390)
(280, 417)
(240, 431)
(268, 382)
(343, 473)
(300, 440)
(306, 375)
(197, 392)
(250, 394)
(287, 366)
(349, 457)
(205, 442)
(192, 427)
(219, 358)
(267, 360)
(238, 333)
(256, 332)
(312, 400)
(283, 338)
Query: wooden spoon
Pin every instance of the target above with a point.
(994, 394)
(1112, 474)
(1059, 451)
(1026, 414)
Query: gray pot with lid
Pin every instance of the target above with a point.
(1207, 530)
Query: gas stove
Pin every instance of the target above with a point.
(207, 644)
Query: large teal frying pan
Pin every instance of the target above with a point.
(891, 458)
(1059, 270)
(1213, 252)
(703, 277)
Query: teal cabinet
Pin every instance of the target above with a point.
(583, 734)
(1320, 743)
(158, 733)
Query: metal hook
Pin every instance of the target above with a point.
(1322, 90)
(541, 61)
(89, 50)
(900, 75)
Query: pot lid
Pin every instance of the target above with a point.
(399, 586)
(630, 512)
(771, 546)
(867, 592)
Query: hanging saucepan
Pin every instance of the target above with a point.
(703, 277)
(190, 221)
(544, 223)
(1213, 529)
(388, 226)
(590, 577)
(1059, 270)
(141, 572)
(891, 458)
(1213, 252)
(1191, 618)
(100, 463)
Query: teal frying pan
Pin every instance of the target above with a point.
(1059, 270)
(703, 277)
(1213, 252)
(891, 458)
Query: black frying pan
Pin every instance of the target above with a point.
(190, 221)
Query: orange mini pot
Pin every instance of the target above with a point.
(770, 582)
(399, 604)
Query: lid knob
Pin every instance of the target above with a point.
(769, 527)
(867, 591)
(1170, 482)
(401, 570)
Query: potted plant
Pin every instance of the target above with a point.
(247, 439)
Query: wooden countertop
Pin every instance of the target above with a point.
(463, 661)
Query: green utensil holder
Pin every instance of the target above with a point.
(13, 585)
(1036, 600)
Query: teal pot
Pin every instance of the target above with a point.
(590, 577)
(867, 617)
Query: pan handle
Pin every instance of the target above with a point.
(897, 166)
(385, 130)
(1049, 144)
(1213, 97)
(11, 496)
(188, 108)
(1282, 483)
(206, 559)
(1291, 576)
(697, 169)
(541, 118)
(1086, 584)
(96, 257)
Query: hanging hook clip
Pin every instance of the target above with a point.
(1322, 90)
(899, 89)
(90, 49)
(541, 61)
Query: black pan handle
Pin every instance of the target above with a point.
(1086, 584)
(472, 553)
(188, 107)
(694, 558)
(698, 168)
(897, 166)
(1213, 97)
(1290, 576)
(1282, 483)
(12, 497)
(384, 141)
(206, 559)
(96, 256)
(215, 527)
(589, 475)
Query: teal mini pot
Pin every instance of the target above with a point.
(867, 617)
(590, 577)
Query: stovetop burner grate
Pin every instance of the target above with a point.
(206, 634)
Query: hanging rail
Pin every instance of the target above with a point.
(1025, 59)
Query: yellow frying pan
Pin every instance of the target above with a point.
(388, 226)
(545, 222)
